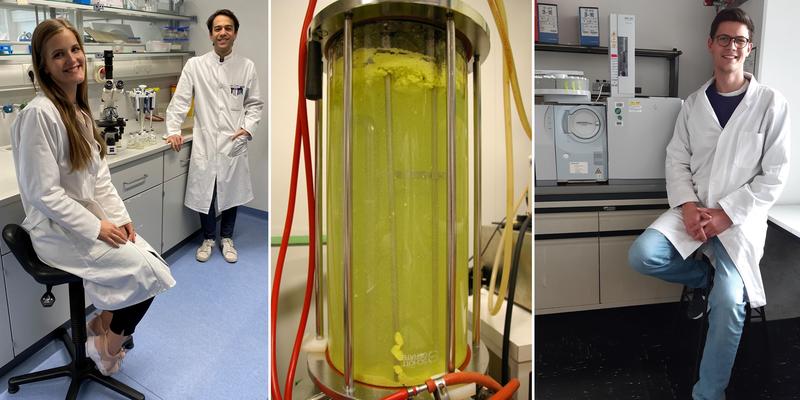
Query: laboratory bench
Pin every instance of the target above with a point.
(151, 182)
(786, 217)
(582, 235)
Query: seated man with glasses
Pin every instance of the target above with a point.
(727, 163)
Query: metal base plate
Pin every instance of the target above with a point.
(331, 381)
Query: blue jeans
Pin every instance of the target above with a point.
(208, 222)
(653, 254)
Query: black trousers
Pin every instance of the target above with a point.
(125, 319)
(208, 222)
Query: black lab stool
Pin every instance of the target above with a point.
(81, 367)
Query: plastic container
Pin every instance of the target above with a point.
(175, 33)
(156, 46)
(399, 243)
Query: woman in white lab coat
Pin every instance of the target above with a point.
(77, 221)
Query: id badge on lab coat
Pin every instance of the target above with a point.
(235, 96)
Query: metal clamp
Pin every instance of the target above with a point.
(441, 389)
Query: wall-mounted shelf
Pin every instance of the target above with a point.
(671, 56)
(101, 11)
(123, 56)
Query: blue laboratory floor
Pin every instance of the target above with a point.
(206, 338)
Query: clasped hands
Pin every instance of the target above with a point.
(704, 223)
(116, 235)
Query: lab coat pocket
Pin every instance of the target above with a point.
(98, 249)
(749, 147)
(235, 97)
(239, 147)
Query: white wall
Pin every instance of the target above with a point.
(778, 66)
(286, 23)
(252, 42)
(660, 25)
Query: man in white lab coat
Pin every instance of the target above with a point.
(726, 165)
(228, 108)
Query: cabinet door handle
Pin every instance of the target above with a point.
(134, 183)
(184, 163)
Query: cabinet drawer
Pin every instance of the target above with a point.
(177, 163)
(179, 222)
(145, 211)
(568, 222)
(6, 344)
(621, 284)
(136, 177)
(10, 214)
(627, 220)
(567, 273)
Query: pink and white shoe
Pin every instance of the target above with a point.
(97, 350)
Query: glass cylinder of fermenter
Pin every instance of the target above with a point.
(399, 202)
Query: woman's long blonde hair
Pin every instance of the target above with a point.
(80, 154)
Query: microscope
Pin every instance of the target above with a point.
(113, 125)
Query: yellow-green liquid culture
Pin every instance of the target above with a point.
(399, 200)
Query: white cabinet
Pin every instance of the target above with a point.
(6, 345)
(10, 214)
(29, 320)
(621, 285)
(145, 211)
(179, 222)
(581, 261)
(567, 273)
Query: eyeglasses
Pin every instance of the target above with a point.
(739, 41)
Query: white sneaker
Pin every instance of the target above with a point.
(204, 251)
(228, 251)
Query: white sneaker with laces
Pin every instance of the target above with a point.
(204, 251)
(228, 251)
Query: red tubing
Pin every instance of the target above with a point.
(507, 391)
(301, 135)
(398, 395)
(458, 378)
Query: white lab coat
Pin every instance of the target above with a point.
(226, 98)
(63, 210)
(741, 169)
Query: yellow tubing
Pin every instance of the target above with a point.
(499, 14)
(492, 280)
(509, 81)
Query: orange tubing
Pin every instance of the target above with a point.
(460, 378)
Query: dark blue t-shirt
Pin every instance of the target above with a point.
(723, 105)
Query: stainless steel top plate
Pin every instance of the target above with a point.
(470, 26)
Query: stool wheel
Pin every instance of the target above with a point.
(13, 388)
